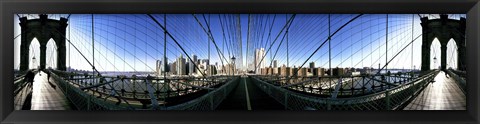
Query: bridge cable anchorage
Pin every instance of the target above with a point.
(170, 35)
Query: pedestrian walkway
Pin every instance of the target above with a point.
(442, 94)
(46, 95)
(247, 96)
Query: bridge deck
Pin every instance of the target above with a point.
(443, 94)
(247, 94)
(46, 95)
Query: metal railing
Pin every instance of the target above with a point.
(389, 99)
(89, 92)
(342, 86)
(209, 101)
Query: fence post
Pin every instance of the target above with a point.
(387, 97)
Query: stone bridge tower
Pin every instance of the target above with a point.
(43, 29)
(443, 29)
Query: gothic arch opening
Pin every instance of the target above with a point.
(51, 56)
(435, 54)
(452, 54)
(34, 54)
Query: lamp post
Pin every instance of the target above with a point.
(34, 60)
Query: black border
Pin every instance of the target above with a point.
(9, 7)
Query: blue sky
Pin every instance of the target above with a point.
(127, 42)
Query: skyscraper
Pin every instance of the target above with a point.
(259, 54)
(173, 67)
(312, 66)
(181, 70)
(274, 63)
(192, 69)
(161, 67)
(158, 66)
(165, 68)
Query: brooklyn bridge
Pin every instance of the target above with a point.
(240, 62)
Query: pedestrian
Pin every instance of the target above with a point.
(446, 74)
(30, 76)
(48, 75)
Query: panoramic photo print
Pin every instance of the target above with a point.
(239, 62)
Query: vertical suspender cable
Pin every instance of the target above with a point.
(286, 19)
(413, 22)
(248, 40)
(165, 58)
(386, 45)
(208, 64)
(93, 47)
(329, 48)
(69, 45)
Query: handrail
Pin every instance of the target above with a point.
(388, 99)
(85, 101)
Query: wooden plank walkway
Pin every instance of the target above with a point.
(46, 95)
(443, 94)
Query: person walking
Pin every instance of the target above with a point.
(30, 76)
(48, 75)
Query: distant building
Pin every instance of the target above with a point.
(158, 66)
(173, 67)
(279, 70)
(338, 71)
(181, 70)
(302, 72)
(366, 70)
(259, 54)
(270, 71)
(192, 69)
(294, 71)
(312, 66)
(275, 63)
(276, 70)
(320, 72)
(211, 70)
(229, 69)
(165, 67)
(187, 65)
(285, 71)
